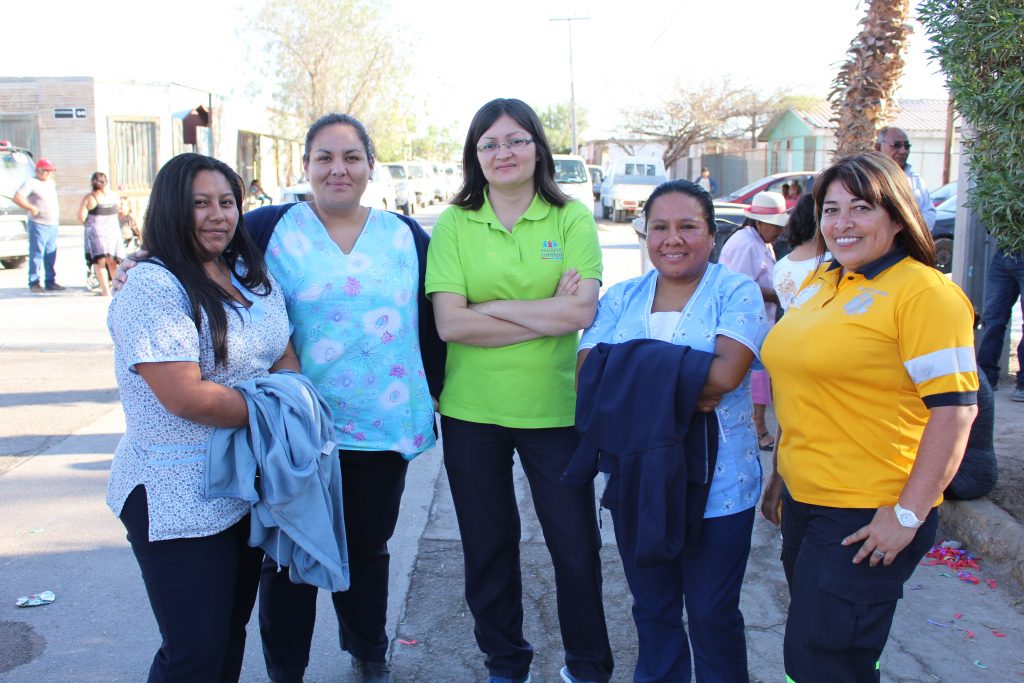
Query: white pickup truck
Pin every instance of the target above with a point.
(627, 185)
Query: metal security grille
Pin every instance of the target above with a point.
(133, 154)
(21, 130)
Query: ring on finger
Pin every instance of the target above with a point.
(879, 554)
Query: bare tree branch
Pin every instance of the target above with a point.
(704, 113)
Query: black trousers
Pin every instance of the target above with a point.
(201, 590)
(478, 459)
(840, 613)
(372, 483)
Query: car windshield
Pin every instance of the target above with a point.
(641, 169)
(15, 168)
(397, 172)
(733, 196)
(638, 179)
(570, 171)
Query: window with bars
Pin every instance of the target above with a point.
(133, 158)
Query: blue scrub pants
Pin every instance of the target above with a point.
(706, 581)
(840, 613)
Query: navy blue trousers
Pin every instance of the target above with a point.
(201, 590)
(706, 582)
(840, 613)
(478, 459)
(372, 484)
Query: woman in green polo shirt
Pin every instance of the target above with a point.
(513, 271)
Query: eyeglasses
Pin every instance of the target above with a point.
(517, 145)
(899, 145)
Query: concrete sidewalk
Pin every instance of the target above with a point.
(56, 534)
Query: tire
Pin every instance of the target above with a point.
(619, 216)
(13, 262)
(943, 254)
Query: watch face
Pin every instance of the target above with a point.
(907, 517)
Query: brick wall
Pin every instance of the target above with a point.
(68, 143)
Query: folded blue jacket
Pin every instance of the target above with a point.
(297, 516)
(636, 414)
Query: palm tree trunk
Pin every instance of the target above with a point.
(863, 91)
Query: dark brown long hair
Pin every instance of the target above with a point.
(170, 236)
(471, 194)
(876, 179)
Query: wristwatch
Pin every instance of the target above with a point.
(906, 517)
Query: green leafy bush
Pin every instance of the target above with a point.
(980, 46)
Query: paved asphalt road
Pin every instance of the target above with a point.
(59, 424)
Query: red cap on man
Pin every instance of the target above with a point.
(45, 165)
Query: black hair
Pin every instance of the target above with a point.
(170, 236)
(686, 187)
(471, 194)
(344, 119)
(801, 225)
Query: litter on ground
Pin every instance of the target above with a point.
(44, 598)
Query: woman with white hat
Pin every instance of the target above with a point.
(749, 251)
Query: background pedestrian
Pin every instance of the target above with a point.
(104, 246)
(38, 196)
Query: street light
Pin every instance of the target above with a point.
(572, 86)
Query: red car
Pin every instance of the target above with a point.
(772, 183)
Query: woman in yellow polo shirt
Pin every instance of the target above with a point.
(513, 271)
(874, 412)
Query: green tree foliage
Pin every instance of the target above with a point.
(704, 113)
(329, 56)
(980, 47)
(557, 120)
(438, 144)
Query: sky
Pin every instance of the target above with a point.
(463, 53)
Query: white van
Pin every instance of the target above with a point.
(573, 178)
(627, 185)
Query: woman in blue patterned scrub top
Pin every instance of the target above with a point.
(199, 316)
(686, 300)
(352, 277)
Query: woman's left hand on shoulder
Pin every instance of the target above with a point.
(884, 538)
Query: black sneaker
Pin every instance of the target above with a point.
(371, 672)
(36, 288)
(54, 287)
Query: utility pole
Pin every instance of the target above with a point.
(572, 85)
